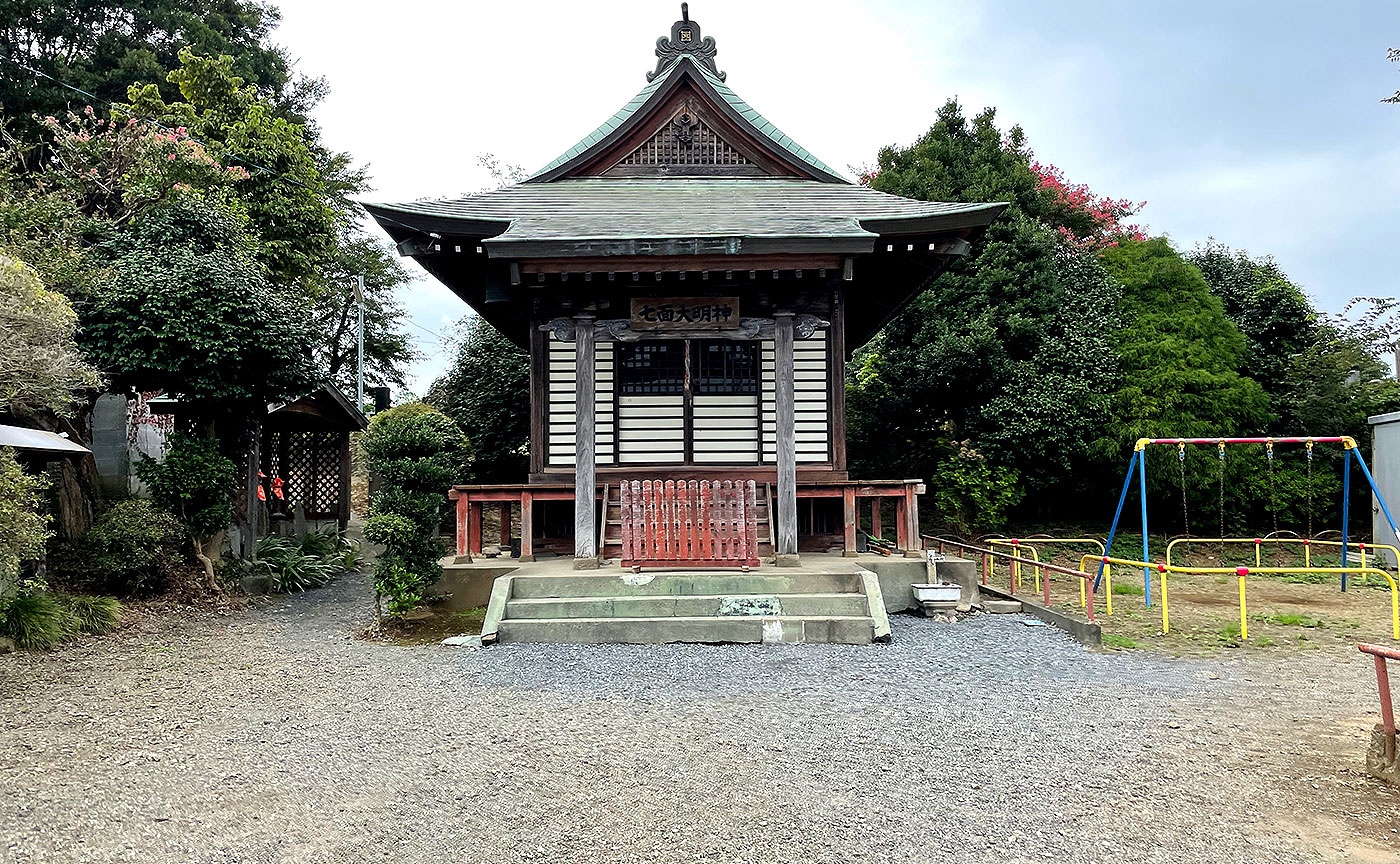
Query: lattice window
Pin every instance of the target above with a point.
(308, 463)
(651, 368)
(686, 140)
(726, 367)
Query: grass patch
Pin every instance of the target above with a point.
(93, 615)
(1290, 619)
(1113, 640)
(1129, 589)
(1229, 633)
(36, 622)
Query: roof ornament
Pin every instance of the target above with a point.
(685, 40)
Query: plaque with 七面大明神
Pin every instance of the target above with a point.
(685, 313)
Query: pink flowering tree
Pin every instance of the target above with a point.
(116, 168)
(1085, 220)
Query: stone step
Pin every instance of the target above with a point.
(1002, 607)
(845, 630)
(703, 582)
(843, 604)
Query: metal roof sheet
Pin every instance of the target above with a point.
(37, 440)
(596, 208)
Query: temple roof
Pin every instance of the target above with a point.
(685, 66)
(685, 168)
(745, 211)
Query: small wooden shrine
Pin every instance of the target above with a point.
(689, 283)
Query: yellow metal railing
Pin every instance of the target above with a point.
(1259, 542)
(1242, 572)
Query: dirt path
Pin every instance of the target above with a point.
(266, 734)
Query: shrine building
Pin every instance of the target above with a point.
(689, 283)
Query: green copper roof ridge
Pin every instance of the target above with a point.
(742, 109)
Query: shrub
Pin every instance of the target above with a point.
(132, 550)
(34, 620)
(312, 561)
(23, 527)
(417, 452)
(193, 483)
(88, 614)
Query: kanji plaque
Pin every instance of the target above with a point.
(685, 313)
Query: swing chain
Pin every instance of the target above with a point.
(1273, 499)
(1221, 461)
(1181, 470)
(1310, 487)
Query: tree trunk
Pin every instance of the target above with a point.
(206, 561)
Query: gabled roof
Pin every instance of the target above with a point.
(742, 213)
(685, 67)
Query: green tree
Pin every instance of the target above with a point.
(1274, 314)
(1009, 349)
(1180, 356)
(104, 46)
(417, 452)
(190, 311)
(193, 483)
(289, 187)
(41, 370)
(388, 348)
(23, 526)
(487, 393)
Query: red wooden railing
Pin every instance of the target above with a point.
(689, 523)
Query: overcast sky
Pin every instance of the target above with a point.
(1256, 123)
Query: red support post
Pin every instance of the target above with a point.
(462, 504)
(527, 526)
(849, 515)
(1387, 709)
(474, 527)
(901, 523)
(505, 524)
(876, 530)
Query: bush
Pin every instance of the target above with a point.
(193, 483)
(23, 528)
(34, 620)
(417, 452)
(91, 615)
(41, 620)
(132, 550)
(312, 561)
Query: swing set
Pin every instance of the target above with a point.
(1138, 465)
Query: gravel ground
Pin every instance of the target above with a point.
(267, 734)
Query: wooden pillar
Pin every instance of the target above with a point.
(474, 527)
(463, 503)
(786, 541)
(851, 517)
(253, 508)
(585, 451)
(343, 482)
(527, 526)
(901, 522)
(875, 529)
(505, 524)
(911, 510)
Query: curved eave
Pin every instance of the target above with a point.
(397, 220)
(973, 216)
(641, 107)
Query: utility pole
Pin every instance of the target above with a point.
(360, 346)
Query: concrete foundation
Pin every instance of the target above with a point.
(1380, 757)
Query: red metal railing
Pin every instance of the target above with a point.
(1086, 579)
(1380, 654)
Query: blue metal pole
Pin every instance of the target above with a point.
(1142, 492)
(1346, 507)
(1113, 529)
(1376, 491)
